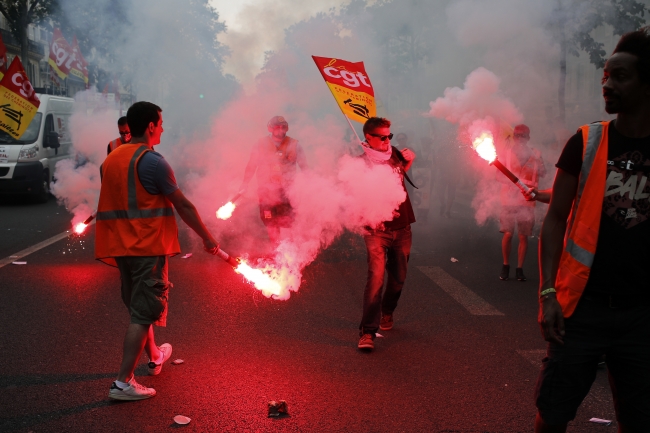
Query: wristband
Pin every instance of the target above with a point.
(547, 291)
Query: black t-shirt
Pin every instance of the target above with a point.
(622, 261)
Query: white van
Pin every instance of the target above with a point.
(27, 165)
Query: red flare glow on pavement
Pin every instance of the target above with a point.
(259, 279)
(226, 211)
(484, 146)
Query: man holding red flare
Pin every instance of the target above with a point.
(594, 255)
(137, 232)
(275, 159)
(527, 165)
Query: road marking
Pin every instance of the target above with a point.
(457, 290)
(533, 356)
(27, 251)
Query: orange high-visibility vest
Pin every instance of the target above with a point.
(584, 222)
(115, 144)
(130, 221)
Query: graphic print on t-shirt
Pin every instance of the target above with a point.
(627, 190)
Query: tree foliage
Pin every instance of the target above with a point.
(574, 21)
(21, 13)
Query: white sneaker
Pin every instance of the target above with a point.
(134, 391)
(155, 369)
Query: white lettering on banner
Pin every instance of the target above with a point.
(329, 70)
(26, 88)
(363, 79)
(60, 53)
(349, 78)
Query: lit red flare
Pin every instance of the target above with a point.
(484, 146)
(262, 281)
(79, 228)
(226, 211)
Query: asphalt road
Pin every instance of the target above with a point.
(441, 369)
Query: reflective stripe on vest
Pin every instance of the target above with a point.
(131, 221)
(584, 222)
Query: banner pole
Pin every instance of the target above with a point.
(346, 118)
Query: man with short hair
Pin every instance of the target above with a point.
(275, 159)
(528, 166)
(594, 255)
(125, 135)
(389, 244)
(136, 232)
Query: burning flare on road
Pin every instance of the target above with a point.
(262, 281)
(226, 211)
(259, 279)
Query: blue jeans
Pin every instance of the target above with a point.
(388, 252)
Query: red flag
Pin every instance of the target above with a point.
(350, 86)
(61, 55)
(18, 101)
(79, 65)
(3, 58)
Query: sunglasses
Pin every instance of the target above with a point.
(522, 136)
(382, 137)
(125, 133)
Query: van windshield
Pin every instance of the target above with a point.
(30, 135)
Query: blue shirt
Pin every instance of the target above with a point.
(156, 175)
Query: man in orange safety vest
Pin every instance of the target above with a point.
(594, 254)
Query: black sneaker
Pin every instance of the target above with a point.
(505, 272)
(519, 272)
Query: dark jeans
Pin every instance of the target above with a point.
(594, 329)
(388, 252)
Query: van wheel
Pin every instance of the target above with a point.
(43, 194)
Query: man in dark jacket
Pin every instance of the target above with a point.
(388, 244)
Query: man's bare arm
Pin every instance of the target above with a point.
(191, 217)
(551, 243)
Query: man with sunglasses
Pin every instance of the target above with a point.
(389, 244)
(275, 159)
(527, 164)
(125, 135)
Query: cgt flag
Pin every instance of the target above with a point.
(350, 86)
(18, 101)
(61, 55)
(3, 58)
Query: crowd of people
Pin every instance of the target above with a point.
(593, 257)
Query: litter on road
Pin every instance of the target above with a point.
(18, 263)
(182, 420)
(454, 259)
(600, 421)
(187, 256)
(276, 408)
(177, 361)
